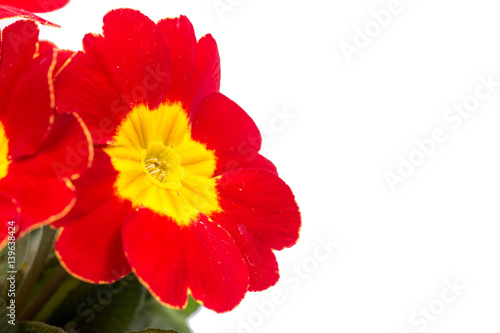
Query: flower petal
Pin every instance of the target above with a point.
(10, 12)
(90, 244)
(91, 96)
(19, 44)
(94, 188)
(40, 183)
(206, 72)
(259, 258)
(90, 248)
(228, 130)
(260, 213)
(181, 40)
(156, 250)
(42, 199)
(37, 6)
(67, 152)
(22, 76)
(63, 56)
(201, 258)
(260, 162)
(263, 203)
(218, 275)
(134, 55)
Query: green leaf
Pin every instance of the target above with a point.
(52, 266)
(62, 292)
(154, 314)
(37, 327)
(7, 321)
(96, 308)
(154, 330)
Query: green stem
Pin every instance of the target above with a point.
(41, 299)
(36, 268)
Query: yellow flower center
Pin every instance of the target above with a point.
(161, 167)
(4, 153)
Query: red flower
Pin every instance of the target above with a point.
(26, 8)
(178, 192)
(39, 151)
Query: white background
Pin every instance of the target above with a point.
(352, 121)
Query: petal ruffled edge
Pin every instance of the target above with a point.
(263, 203)
(260, 212)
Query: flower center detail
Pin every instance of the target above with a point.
(4, 153)
(162, 166)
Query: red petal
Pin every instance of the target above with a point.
(261, 262)
(90, 245)
(201, 257)
(91, 95)
(161, 265)
(228, 130)
(37, 6)
(9, 212)
(94, 188)
(10, 12)
(218, 275)
(260, 213)
(40, 183)
(66, 153)
(206, 72)
(26, 120)
(261, 202)
(19, 44)
(42, 199)
(63, 58)
(45, 46)
(260, 162)
(133, 54)
(181, 40)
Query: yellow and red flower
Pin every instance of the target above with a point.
(40, 151)
(26, 8)
(178, 192)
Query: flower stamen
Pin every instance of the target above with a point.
(162, 165)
